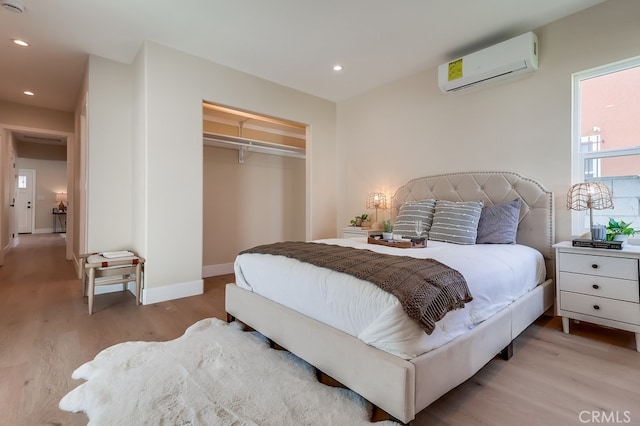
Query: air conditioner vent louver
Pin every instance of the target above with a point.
(506, 74)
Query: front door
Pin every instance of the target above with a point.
(24, 200)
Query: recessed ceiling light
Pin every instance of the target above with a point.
(337, 67)
(19, 42)
(28, 93)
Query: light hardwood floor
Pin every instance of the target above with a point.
(46, 332)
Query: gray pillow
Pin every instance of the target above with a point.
(411, 211)
(499, 223)
(456, 222)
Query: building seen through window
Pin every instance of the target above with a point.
(606, 117)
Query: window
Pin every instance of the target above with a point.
(606, 139)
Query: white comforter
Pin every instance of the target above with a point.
(496, 274)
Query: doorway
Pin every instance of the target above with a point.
(25, 194)
(32, 196)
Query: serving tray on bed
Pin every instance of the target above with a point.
(413, 243)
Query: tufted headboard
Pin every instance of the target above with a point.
(536, 227)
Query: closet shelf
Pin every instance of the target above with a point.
(243, 145)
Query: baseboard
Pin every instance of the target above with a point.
(170, 292)
(16, 241)
(42, 231)
(215, 270)
(13, 242)
(77, 263)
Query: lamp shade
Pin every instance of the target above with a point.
(61, 196)
(589, 195)
(377, 200)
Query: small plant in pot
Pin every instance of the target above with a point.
(387, 230)
(620, 231)
(366, 223)
(361, 220)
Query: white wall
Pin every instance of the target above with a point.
(176, 84)
(7, 192)
(409, 128)
(257, 202)
(146, 157)
(109, 149)
(139, 205)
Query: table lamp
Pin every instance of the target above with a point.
(61, 197)
(376, 200)
(589, 195)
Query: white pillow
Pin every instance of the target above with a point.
(456, 221)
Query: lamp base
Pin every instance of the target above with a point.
(61, 206)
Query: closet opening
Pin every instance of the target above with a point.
(254, 183)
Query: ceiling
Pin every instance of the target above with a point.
(291, 42)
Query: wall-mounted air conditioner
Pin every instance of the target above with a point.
(512, 57)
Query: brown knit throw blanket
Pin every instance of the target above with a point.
(426, 288)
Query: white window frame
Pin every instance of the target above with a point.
(579, 219)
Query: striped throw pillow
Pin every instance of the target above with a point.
(411, 211)
(456, 221)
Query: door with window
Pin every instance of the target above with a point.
(24, 200)
(606, 139)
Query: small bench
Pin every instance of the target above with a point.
(106, 268)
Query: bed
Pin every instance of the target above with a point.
(403, 381)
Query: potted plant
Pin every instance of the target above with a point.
(366, 223)
(619, 231)
(361, 221)
(387, 230)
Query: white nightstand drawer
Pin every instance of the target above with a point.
(612, 288)
(600, 307)
(600, 286)
(616, 267)
(357, 232)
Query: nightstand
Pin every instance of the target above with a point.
(600, 286)
(357, 232)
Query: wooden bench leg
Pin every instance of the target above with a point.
(91, 287)
(84, 280)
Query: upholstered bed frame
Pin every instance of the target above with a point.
(401, 387)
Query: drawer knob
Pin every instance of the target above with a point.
(594, 266)
(596, 307)
(596, 286)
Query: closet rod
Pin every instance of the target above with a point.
(243, 145)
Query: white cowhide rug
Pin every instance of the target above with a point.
(215, 374)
